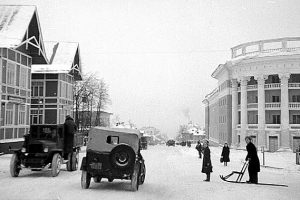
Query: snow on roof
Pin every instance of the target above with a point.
(61, 56)
(14, 21)
(62, 53)
(49, 69)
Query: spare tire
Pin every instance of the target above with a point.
(122, 156)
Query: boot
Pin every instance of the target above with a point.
(207, 177)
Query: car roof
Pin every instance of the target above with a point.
(118, 130)
(98, 138)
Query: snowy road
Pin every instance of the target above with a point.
(172, 173)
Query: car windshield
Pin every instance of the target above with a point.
(41, 132)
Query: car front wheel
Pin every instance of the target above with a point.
(15, 166)
(135, 177)
(85, 180)
(56, 164)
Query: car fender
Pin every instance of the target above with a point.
(83, 164)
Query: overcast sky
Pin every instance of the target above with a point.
(157, 55)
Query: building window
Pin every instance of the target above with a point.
(4, 69)
(37, 89)
(296, 119)
(51, 88)
(10, 73)
(50, 116)
(9, 114)
(36, 117)
(296, 98)
(23, 77)
(275, 99)
(276, 119)
(22, 114)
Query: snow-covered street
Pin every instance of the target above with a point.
(172, 173)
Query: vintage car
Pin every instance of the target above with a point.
(144, 142)
(113, 153)
(170, 143)
(44, 148)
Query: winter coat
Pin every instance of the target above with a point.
(206, 165)
(254, 165)
(225, 154)
(199, 147)
(70, 129)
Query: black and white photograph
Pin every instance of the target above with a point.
(149, 99)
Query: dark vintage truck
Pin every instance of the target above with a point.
(44, 148)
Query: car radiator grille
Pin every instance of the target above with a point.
(35, 148)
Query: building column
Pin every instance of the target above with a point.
(244, 111)
(261, 110)
(234, 100)
(284, 105)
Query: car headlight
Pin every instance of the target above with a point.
(46, 149)
(23, 150)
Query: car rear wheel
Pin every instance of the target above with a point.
(142, 174)
(85, 180)
(69, 163)
(135, 177)
(56, 164)
(15, 166)
(75, 158)
(122, 157)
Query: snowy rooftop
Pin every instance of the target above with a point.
(61, 53)
(14, 21)
(61, 56)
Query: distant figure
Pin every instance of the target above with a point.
(225, 154)
(189, 143)
(254, 165)
(70, 129)
(206, 165)
(199, 148)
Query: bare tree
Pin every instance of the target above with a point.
(102, 99)
(83, 93)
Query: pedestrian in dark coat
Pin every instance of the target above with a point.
(206, 165)
(199, 149)
(225, 154)
(70, 129)
(252, 157)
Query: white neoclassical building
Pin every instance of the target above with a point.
(258, 95)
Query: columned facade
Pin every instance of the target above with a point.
(284, 109)
(234, 94)
(265, 96)
(244, 112)
(261, 110)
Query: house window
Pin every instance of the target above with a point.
(36, 117)
(296, 98)
(23, 77)
(296, 119)
(10, 73)
(276, 119)
(22, 114)
(275, 99)
(37, 89)
(9, 114)
(51, 88)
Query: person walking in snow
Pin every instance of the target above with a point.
(225, 154)
(254, 165)
(199, 148)
(206, 164)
